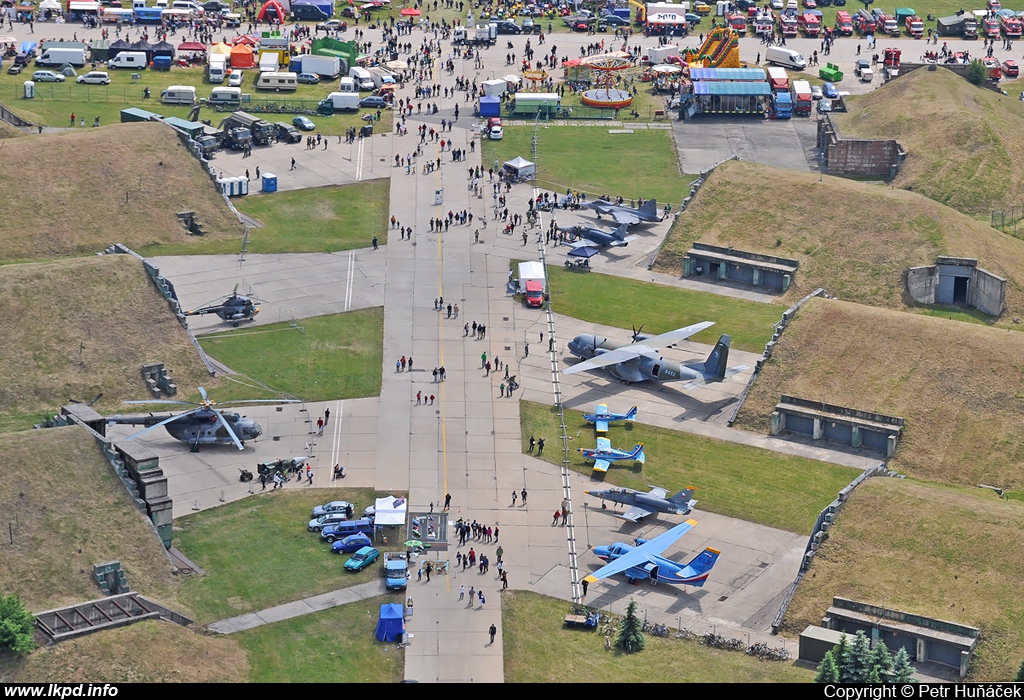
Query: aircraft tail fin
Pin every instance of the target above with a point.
(649, 209)
(631, 415)
(621, 232)
(684, 499)
(638, 453)
(696, 572)
(717, 363)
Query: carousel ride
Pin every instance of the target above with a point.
(605, 69)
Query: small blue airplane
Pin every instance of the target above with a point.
(643, 561)
(601, 417)
(588, 235)
(604, 454)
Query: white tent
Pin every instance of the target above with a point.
(50, 5)
(521, 169)
(390, 511)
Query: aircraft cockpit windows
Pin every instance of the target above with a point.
(655, 371)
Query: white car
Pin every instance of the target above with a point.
(235, 79)
(496, 133)
(95, 77)
(776, 4)
(816, 93)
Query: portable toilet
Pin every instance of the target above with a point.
(243, 185)
(222, 184)
(720, 7)
(236, 186)
(30, 89)
(269, 182)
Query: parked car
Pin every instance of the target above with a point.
(236, 78)
(860, 64)
(94, 77)
(508, 27)
(777, 4)
(352, 543)
(373, 101)
(692, 19)
(304, 123)
(816, 92)
(318, 524)
(47, 76)
(308, 78)
(614, 21)
(288, 134)
(333, 507)
(1010, 68)
(810, 4)
(216, 6)
(362, 559)
(825, 106)
(330, 25)
(830, 91)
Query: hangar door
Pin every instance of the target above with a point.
(944, 653)
(954, 282)
(874, 439)
(799, 424)
(772, 279)
(838, 432)
(896, 641)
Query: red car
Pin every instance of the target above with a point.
(1010, 68)
(810, 4)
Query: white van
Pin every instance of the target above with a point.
(364, 81)
(787, 58)
(178, 95)
(128, 59)
(225, 96)
(277, 81)
(186, 5)
(347, 85)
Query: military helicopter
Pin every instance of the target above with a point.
(232, 308)
(204, 425)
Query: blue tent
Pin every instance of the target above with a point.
(391, 625)
(490, 106)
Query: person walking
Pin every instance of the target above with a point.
(523, 494)
(514, 497)
(462, 592)
(492, 631)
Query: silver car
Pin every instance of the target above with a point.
(47, 76)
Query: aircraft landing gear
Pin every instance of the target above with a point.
(235, 324)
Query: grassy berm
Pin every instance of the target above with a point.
(962, 140)
(68, 511)
(855, 239)
(959, 386)
(77, 192)
(72, 329)
(948, 553)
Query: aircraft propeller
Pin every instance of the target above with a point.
(637, 332)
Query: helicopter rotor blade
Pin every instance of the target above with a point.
(264, 401)
(227, 427)
(202, 392)
(163, 401)
(161, 423)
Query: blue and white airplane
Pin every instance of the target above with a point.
(601, 417)
(644, 561)
(604, 454)
(588, 235)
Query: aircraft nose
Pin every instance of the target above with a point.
(256, 430)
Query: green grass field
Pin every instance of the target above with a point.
(257, 552)
(589, 159)
(316, 220)
(731, 479)
(322, 358)
(540, 649)
(331, 646)
(660, 308)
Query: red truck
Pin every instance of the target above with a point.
(778, 78)
(887, 25)
(802, 98)
(864, 22)
(844, 25)
(809, 24)
(788, 26)
(1011, 27)
(914, 26)
(738, 22)
(990, 26)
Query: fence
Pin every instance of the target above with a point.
(1007, 220)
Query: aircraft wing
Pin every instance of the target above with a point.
(658, 491)
(633, 514)
(601, 426)
(601, 465)
(638, 556)
(629, 352)
(622, 216)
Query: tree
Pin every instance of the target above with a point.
(856, 667)
(1020, 674)
(902, 671)
(977, 72)
(16, 625)
(881, 662)
(828, 672)
(631, 636)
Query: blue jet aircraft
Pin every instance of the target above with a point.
(588, 235)
(643, 561)
(601, 417)
(647, 212)
(604, 454)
